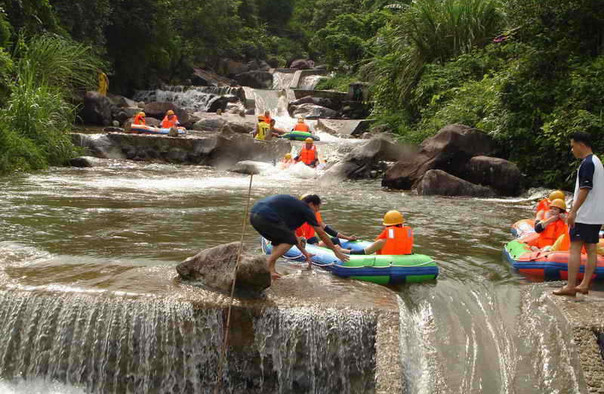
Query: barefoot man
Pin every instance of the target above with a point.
(277, 217)
(586, 216)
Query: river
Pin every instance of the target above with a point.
(120, 228)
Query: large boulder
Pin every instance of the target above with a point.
(232, 67)
(302, 64)
(121, 101)
(158, 109)
(449, 150)
(214, 122)
(312, 111)
(369, 159)
(202, 77)
(500, 174)
(255, 79)
(215, 268)
(96, 109)
(438, 182)
(322, 101)
(221, 102)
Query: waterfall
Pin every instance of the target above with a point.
(193, 98)
(282, 80)
(112, 344)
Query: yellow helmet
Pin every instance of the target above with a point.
(392, 218)
(309, 140)
(142, 114)
(304, 195)
(261, 117)
(558, 203)
(288, 156)
(556, 195)
(170, 112)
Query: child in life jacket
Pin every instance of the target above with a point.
(550, 229)
(396, 239)
(543, 205)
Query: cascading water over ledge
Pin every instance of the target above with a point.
(114, 344)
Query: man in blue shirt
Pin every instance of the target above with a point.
(277, 217)
(586, 217)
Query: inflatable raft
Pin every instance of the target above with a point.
(545, 265)
(143, 129)
(525, 227)
(299, 136)
(382, 269)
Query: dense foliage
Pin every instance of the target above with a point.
(526, 72)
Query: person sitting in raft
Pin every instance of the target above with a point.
(262, 130)
(543, 205)
(286, 161)
(275, 132)
(308, 154)
(396, 239)
(301, 126)
(276, 217)
(307, 232)
(552, 228)
(170, 120)
(140, 119)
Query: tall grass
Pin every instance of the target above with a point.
(38, 115)
(429, 31)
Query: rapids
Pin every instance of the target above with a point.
(101, 239)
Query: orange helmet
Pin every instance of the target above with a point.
(309, 140)
(170, 112)
(392, 218)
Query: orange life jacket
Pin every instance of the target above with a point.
(267, 120)
(169, 123)
(399, 240)
(301, 127)
(307, 156)
(139, 120)
(543, 205)
(551, 233)
(306, 230)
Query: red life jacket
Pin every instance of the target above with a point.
(399, 240)
(169, 123)
(308, 156)
(139, 120)
(301, 127)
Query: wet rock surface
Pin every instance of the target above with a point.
(215, 268)
(440, 183)
(218, 149)
(452, 151)
(96, 109)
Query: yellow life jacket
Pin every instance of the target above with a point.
(263, 130)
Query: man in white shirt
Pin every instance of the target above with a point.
(586, 216)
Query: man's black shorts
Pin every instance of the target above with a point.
(276, 232)
(588, 233)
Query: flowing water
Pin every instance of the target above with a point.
(192, 98)
(89, 303)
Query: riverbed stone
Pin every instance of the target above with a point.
(369, 159)
(302, 64)
(96, 109)
(502, 175)
(255, 79)
(438, 182)
(215, 268)
(449, 150)
(312, 111)
(215, 122)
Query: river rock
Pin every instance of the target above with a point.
(215, 268)
(255, 79)
(121, 101)
(96, 109)
(214, 122)
(321, 101)
(232, 67)
(438, 182)
(369, 159)
(500, 174)
(449, 150)
(81, 162)
(158, 109)
(302, 64)
(312, 111)
(98, 145)
(221, 102)
(202, 77)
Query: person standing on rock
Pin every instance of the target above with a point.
(586, 217)
(277, 217)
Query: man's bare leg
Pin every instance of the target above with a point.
(574, 262)
(277, 252)
(590, 267)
